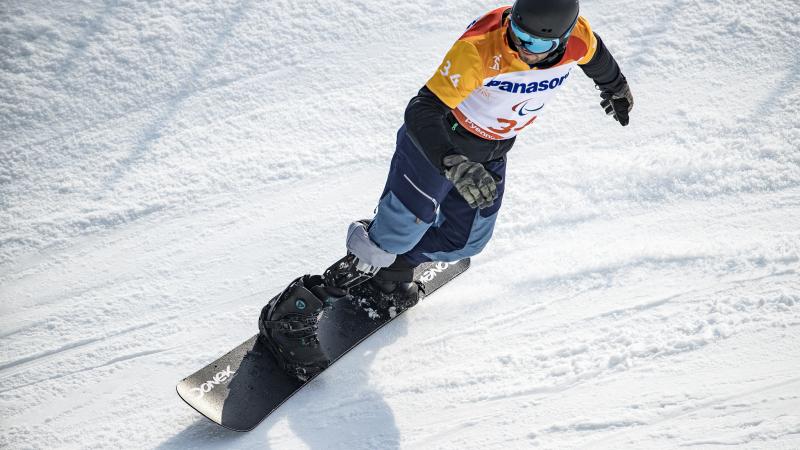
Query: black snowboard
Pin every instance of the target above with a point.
(245, 385)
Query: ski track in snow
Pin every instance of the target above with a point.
(159, 181)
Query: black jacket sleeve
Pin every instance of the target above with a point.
(603, 69)
(426, 126)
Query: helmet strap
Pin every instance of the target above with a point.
(553, 58)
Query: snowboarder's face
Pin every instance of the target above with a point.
(530, 58)
(526, 56)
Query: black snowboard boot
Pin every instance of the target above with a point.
(288, 325)
(390, 292)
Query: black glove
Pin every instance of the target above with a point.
(618, 103)
(477, 185)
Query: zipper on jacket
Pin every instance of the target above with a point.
(433, 200)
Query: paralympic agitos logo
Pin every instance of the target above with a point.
(523, 109)
(527, 88)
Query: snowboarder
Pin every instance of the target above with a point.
(446, 178)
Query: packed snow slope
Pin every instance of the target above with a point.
(165, 167)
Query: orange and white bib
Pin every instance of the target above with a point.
(492, 92)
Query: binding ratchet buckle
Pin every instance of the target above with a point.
(348, 272)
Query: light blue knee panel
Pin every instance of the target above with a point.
(395, 228)
(479, 235)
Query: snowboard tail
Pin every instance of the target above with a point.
(244, 386)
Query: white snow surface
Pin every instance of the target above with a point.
(165, 167)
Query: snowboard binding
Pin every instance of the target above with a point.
(390, 292)
(347, 273)
(288, 326)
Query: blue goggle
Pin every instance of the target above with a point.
(535, 44)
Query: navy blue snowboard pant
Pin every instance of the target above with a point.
(423, 217)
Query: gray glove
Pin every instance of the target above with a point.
(477, 185)
(618, 104)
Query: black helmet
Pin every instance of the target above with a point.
(545, 18)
